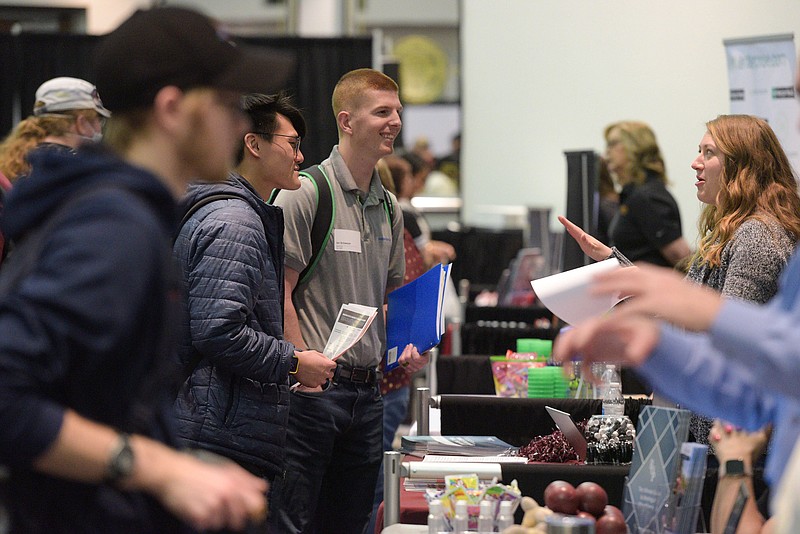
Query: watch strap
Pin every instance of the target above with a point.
(120, 461)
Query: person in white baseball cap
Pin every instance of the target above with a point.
(67, 112)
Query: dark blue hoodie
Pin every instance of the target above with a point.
(86, 328)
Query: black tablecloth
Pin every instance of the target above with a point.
(472, 373)
(516, 421)
(517, 314)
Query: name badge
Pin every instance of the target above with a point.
(346, 240)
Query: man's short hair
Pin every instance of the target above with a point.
(350, 88)
(263, 110)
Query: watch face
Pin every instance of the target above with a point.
(121, 464)
(124, 463)
(734, 468)
(295, 365)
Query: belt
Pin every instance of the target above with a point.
(357, 375)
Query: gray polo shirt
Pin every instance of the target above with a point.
(344, 275)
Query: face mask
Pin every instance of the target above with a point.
(95, 138)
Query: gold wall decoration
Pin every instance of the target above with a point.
(423, 69)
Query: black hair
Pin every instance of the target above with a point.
(263, 110)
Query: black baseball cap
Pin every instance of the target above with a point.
(165, 46)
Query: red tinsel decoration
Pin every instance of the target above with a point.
(553, 448)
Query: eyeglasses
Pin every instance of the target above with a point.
(294, 140)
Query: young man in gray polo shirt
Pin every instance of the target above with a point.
(334, 444)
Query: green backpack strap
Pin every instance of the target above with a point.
(322, 226)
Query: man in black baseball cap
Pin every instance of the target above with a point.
(89, 303)
(176, 46)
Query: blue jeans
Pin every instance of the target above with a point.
(395, 407)
(333, 453)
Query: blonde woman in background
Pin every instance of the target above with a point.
(647, 226)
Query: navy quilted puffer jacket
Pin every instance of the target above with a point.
(236, 400)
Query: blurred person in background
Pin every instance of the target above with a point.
(67, 112)
(647, 226)
(410, 175)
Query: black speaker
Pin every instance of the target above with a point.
(581, 203)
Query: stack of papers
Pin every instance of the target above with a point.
(439, 459)
(351, 324)
(456, 446)
(689, 492)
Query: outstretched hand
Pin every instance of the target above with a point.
(589, 245)
(627, 340)
(660, 292)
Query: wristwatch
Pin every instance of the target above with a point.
(295, 365)
(733, 468)
(120, 463)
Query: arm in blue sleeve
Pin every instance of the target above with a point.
(66, 320)
(765, 339)
(689, 370)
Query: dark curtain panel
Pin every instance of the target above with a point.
(28, 60)
(8, 82)
(320, 64)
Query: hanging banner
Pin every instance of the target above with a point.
(761, 76)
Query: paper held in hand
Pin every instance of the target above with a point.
(351, 324)
(567, 294)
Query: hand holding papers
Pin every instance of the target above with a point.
(415, 314)
(567, 294)
(351, 323)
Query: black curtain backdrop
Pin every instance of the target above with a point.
(27, 60)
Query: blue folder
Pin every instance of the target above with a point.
(416, 314)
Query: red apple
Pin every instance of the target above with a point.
(561, 497)
(592, 498)
(610, 509)
(586, 515)
(611, 524)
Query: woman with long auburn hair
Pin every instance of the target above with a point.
(751, 222)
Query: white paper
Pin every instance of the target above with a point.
(567, 294)
(351, 324)
(438, 458)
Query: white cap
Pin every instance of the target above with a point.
(64, 94)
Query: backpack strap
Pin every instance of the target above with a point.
(194, 208)
(322, 227)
